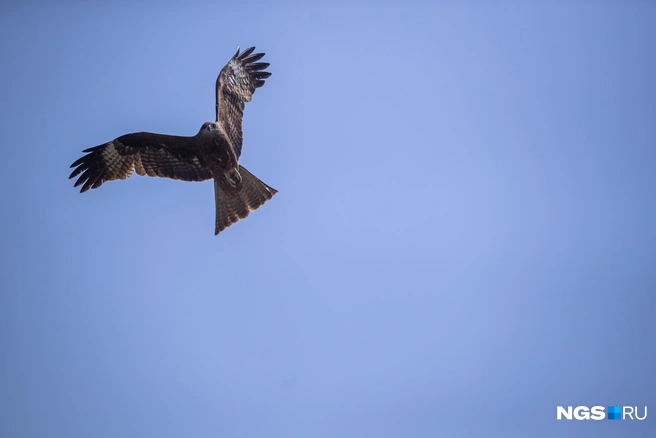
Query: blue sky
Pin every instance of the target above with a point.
(463, 237)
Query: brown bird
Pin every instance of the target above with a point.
(213, 153)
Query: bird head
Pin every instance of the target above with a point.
(208, 127)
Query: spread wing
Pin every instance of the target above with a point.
(234, 87)
(149, 154)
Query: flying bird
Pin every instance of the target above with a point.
(213, 153)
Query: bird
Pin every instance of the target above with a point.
(213, 153)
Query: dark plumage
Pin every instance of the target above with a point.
(213, 153)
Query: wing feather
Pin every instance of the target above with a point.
(234, 87)
(145, 153)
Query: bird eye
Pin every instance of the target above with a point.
(210, 127)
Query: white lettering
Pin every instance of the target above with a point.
(598, 413)
(584, 410)
(561, 412)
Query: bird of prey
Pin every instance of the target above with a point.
(213, 153)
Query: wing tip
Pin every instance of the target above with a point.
(246, 52)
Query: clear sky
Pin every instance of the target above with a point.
(463, 239)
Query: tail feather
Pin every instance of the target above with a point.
(253, 194)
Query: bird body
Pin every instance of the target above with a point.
(213, 153)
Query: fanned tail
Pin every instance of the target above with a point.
(253, 194)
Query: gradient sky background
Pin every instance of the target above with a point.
(464, 236)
